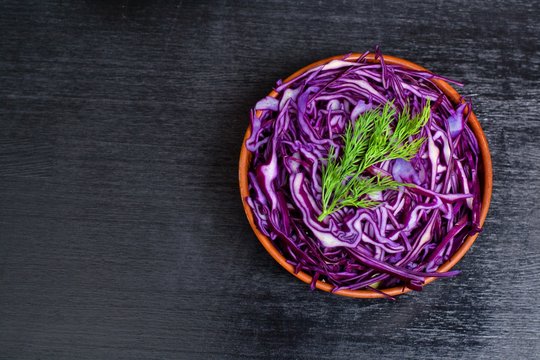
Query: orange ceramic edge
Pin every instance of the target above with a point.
(245, 158)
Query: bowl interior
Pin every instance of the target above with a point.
(485, 171)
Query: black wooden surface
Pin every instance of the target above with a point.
(122, 234)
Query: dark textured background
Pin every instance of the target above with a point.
(122, 234)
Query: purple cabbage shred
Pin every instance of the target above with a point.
(414, 229)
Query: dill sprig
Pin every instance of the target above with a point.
(368, 141)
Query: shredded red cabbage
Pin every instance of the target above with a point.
(414, 229)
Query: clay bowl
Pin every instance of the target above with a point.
(485, 173)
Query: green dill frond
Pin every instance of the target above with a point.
(370, 140)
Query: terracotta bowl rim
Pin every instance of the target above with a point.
(486, 177)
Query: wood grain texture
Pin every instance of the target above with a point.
(122, 235)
